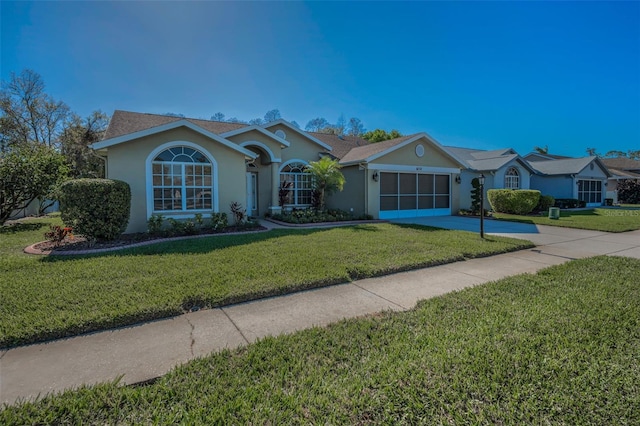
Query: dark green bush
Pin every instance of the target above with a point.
(96, 208)
(629, 191)
(519, 201)
(569, 203)
(544, 203)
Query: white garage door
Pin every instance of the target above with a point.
(414, 195)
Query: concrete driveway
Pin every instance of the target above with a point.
(579, 242)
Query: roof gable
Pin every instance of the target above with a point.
(258, 129)
(300, 132)
(371, 152)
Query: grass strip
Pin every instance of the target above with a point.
(44, 298)
(607, 220)
(558, 347)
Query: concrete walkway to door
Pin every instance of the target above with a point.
(144, 351)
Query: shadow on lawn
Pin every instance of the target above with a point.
(22, 227)
(207, 244)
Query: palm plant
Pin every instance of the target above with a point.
(327, 178)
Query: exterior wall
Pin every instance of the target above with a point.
(557, 186)
(407, 156)
(300, 148)
(525, 176)
(266, 144)
(127, 162)
(465, 188)
(353, 194)
(493, 180)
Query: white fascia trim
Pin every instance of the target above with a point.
(259, 129)
(300, 132)
(272, 157)
(420, 169)
(169, 126)
(149, 174)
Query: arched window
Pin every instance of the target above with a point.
(295, 184)
(182, 180)
(512, 179)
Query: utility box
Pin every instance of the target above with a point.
(554, 213)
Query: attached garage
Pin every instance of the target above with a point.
(414, 195)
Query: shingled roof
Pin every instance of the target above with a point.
(340, 145)
(568, 166)
(361, 153)
(126, 122)
(480, 160)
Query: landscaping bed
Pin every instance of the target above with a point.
(556, 347)
(57, 296)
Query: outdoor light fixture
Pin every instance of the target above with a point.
(458, 179)
(481, 182)
(375, 176)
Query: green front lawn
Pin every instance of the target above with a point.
(558, 347)
(607, 220)
(48, 297)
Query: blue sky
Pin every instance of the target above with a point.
(474, 74)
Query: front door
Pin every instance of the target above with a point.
(252, 194)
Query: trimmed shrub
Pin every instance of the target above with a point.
(218, 221)
(96, 208)
(569, 203)
(519, 201)
(544, 203)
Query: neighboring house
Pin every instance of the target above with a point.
(583, 178)
(503, 169)
(621, 169)
(180, 166)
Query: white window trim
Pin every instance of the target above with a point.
(510, 178)
(149, 180)
(306, 163)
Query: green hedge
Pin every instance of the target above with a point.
(519, 201)
(96, 208)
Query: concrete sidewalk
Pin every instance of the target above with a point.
(142, 352)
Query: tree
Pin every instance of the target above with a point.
(218, 116)
(75, 142)
(341, 125)
(27, 113)
(634, 155)
(295, 124)
(355, 127)
(327, 178)
(173, 114)
(316, 124)
(28, 171)
(541, 150)
(379, 135)
(629, 191)
(272, 116)
(256, 122)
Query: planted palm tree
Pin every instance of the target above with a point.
(327, 178)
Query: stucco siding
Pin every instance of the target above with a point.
(556, 186)
(353, 194)
(407, 156)
(127, 162)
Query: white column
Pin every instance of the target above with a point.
(275, 187)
